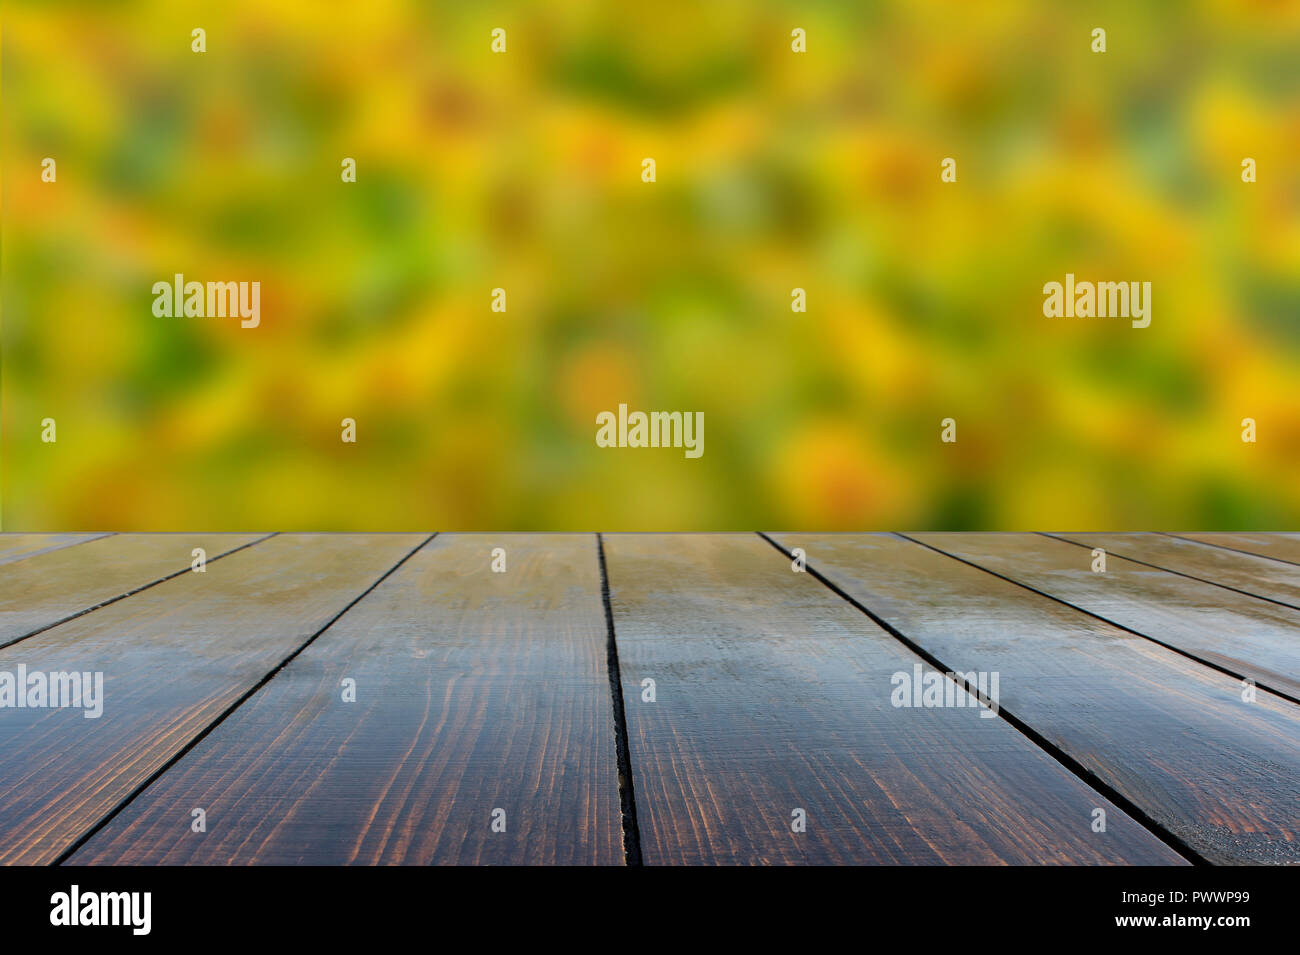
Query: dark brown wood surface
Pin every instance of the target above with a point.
(174, 657)
(773, 694)
(478, 691)
(1173, 737)
(47, 588)
(1244, 635)
(1258, 576)
(1276, 546)
(474, 691)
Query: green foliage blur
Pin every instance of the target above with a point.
(775, 170)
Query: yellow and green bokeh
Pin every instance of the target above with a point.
(775, 170)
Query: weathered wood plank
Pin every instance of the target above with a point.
(474, 691)
(173, 658)
(1244, 635)
(1258, 576)
(1174, 737)
(1277, 546)
(774, 694)
(19, 546)
(43, 590)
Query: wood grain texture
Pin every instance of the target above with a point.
(1276, 546)
(475, 691)
(47, 588)
(1171, 735)
(1244, 635)
(20, 546)
(774, 694)
(174, 657)
(1258, 576)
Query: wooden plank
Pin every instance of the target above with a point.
(44, 590)
(19, 546)
(1257, 576)
(173, 659)
(1246, 636)
(773, 694)
(1276, 546)
(475, 691)
(1170, 735)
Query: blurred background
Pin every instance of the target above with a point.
(775, 170)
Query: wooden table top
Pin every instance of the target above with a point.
(582, 699)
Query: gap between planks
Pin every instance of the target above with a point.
(1083, 773)
(1112, 552)
(626, 781)
(122, 596)
(104, 820)
(1262, 681)
(1217, 542)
